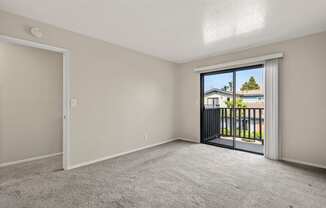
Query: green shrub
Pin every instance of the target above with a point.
(243, 133)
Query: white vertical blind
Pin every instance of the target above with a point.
(271, 110)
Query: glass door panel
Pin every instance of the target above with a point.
(249, 110)
(217, 112)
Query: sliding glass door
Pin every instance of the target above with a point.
(232, 108)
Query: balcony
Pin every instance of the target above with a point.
(239, 128)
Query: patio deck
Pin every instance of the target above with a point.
(256, 146)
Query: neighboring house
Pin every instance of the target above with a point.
(253, 98)
(214, 98)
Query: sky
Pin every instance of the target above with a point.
(220, 80)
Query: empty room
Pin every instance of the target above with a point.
(185, 103)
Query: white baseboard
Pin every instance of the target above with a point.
(303, 163)
(29, 159)
(119, 154)
(188, 140)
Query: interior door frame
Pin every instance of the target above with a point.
(66, 117)
(202, 85)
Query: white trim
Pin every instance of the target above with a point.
(66, 89)
(29, 159)
(304, 163)
(189, 140)
(32, 44)
(239, 63)
(119, 154)
(66, 110)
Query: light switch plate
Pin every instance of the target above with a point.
(73, 102)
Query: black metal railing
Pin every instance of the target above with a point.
(246, 123)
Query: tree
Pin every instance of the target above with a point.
(228, 87)
(251, 84)
(238, 103)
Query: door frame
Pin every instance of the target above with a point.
(202, 84)
(66, 117)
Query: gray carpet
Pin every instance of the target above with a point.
(177, 174)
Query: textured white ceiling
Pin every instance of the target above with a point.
(180, 30)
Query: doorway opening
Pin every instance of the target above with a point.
(232, 108)
(64, 116)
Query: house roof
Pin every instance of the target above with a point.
(251, 93)
(255, 105)
(248, 93)
(217, 91)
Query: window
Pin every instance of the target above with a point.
(213, 102)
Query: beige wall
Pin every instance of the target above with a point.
(122, 95)
(302, 96)
(30, 102)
